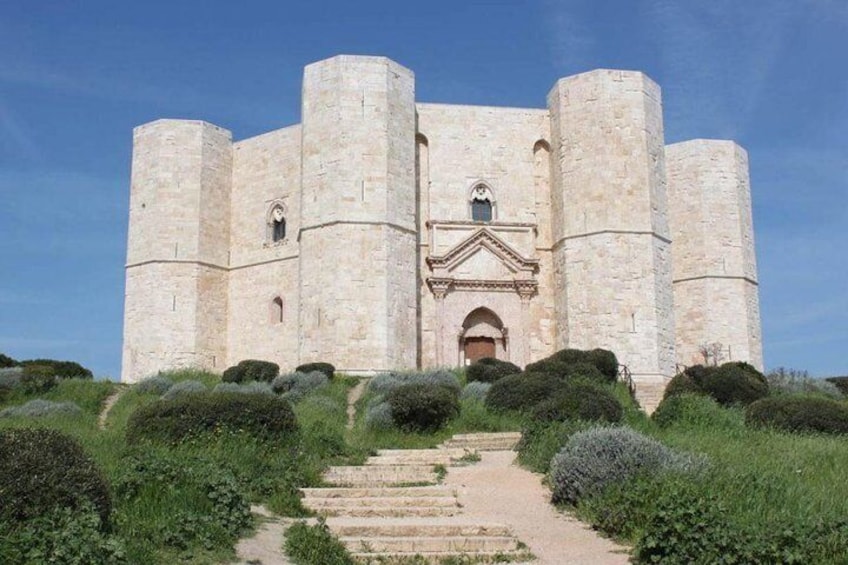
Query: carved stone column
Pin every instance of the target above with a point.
(526, 290)
(440, 289)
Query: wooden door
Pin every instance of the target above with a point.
(478, 347)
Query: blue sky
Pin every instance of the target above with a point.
(76, 77)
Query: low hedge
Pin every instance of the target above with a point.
(522, 391)
(489, 370)
(579, 400)
(695, 411)
(42, 471)
(172, 420)
(421, 408)
(799, 413)
(569, 362)
(251, 370)
(681, 383)
(325, 368)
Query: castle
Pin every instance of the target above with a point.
(382, 233)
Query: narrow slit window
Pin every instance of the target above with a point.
(277, 311)
(279, 230)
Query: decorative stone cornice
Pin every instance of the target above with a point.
(513, 260)
(441, 286)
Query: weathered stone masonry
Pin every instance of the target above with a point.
(419, 235)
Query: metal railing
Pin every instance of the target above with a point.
(625, 376)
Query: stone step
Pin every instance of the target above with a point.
(380, 475)
(484, 441)
(494, 445)
(316, 503)
(387, 511)
(416, 528)
(418, 457)
(341, 492)
(425, 545)
(436, 557)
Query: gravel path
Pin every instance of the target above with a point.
(108, 404)
(266, 545)
(497, 490)
(354, 395)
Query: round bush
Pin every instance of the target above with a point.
(154, 385)
(605, 361)
(38, 379)
(475, 391)
(695, 411)
(489, 370)
(522, 391)
(325, 368)
(598, 457)
(735, 383)
(61, 369)
(296, 386)
(551, 367)
(43, 470)
(184, 388)
(378, 416)
(799, 413)
(251, 370)
(698, 373)
(681, 383)
(38, 408)
(172, 420)
(579, 401)
(421, 408)
(386, 382)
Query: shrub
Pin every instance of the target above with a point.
(378, 416)
(38, 408)
(263, 416)
(296, 386)
(605, 361)
(253, 387)
(698, 373)
(421, 408)
(6, 361)
(38, 379)
(184, 388)
(325, 368)
(522, 391)
(599, 457)
(579, 400)
(489, 370)
(385, 383)
(840, 382)
(43, 470)
(681, 383)
(597, 365)
(63, 536)
(622, 509)
(797, 413)
(157, 384)
(10, 379)
(475, 391)
(311, 545)
(791, 381)
(540, 441)
(61, 369)
(695, 411)
(251, 370)
(735, 383)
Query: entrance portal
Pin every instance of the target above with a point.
(483, 335)
(478, 347)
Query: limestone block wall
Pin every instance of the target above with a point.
(611, 243)
(715, 271)
(178, 243)
(266, 172)
(358, 268)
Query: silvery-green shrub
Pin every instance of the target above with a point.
(38, 408)
(475, 391)
(250, 387)
(379, 416)
(184, 387)
(156, 384)
(792, 381)
(385, 383)
(294, 387)
(601, 456)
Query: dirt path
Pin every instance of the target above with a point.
(266, 545)
(497, 490)
(354, 395)
(108, 404)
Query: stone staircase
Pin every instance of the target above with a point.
(393, 507)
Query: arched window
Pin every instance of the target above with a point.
(276, 313)
(482, 203)
(276, 221)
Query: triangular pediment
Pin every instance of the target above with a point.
(484, 247)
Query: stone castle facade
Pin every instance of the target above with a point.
(383, 233)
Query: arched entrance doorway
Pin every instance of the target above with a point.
(483, 335)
